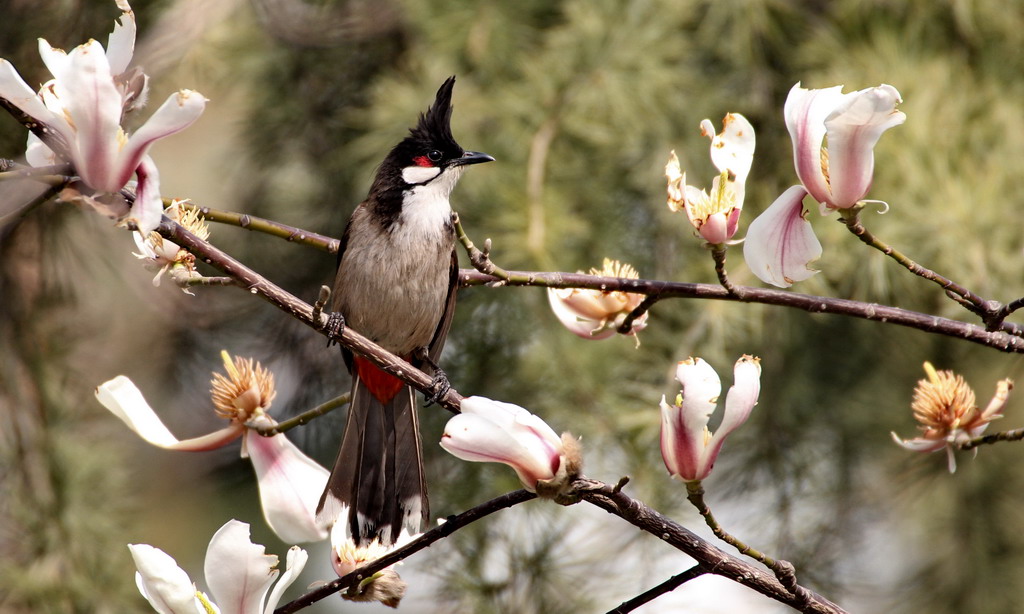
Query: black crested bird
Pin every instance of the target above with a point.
(396, 284)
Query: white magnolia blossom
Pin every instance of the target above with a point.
(688, 447)
(239, 575)
(83, 106)
(834, 137)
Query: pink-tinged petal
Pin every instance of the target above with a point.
(680, 448)
(178, 112)
(491, 431)
(125, 401)
(853, 129)
(238, 572)
(290, 484)
(579, 327)
(715, 229)
(733, 149)
(86, 89)
(805, 113)
(780, 243)
(13, 89)
(121, 42)
(295, 562)
(148, 206)
(164, 585)
(919, 444)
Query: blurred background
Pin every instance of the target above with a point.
(580, 101)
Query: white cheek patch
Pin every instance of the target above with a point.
(419, 174)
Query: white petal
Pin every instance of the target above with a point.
(164, 585)
(780, 244)
(739, 402)
(14, 90)
(576, 325)
(295, 562)
(290, 484)
(121, 42)
(701, 389)
(919, 444)
(805, 114)
(125, 400)
(55, 58)
(37, 153)
(238, 572)
(178, 112)
(853, 129)
(733, 149)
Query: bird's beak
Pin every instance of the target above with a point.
(472, 157)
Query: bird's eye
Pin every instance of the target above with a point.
(434, 155)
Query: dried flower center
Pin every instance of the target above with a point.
(943, 402)
(247, 390)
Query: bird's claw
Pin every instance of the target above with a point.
(334, 327)
(439, 387)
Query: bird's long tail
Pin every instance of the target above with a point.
(377, 479)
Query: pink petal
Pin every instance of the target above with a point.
(805, 113)
(680, 448)
(238, 572)
(178, 112)
(290, 485)
(86, 88)
(490, 431)
(919, 444)
(854, 128)
(148, 206)
(780, 244)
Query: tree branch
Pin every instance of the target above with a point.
(665, 587)
(974, 333)
(707, 556)
(452, 524)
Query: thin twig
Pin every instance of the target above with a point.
(270, 227)
(665, 587)
(718, 254)
(783, 570)
(452, 524)
(1014, 435)
(303, 418)
(645, 305)
(481, 260)
(851, 219)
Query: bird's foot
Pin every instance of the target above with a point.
(334, 327)
(439, 387)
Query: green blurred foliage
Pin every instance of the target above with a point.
(580, 102)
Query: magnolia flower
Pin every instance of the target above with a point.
(780, 246)
(944, 405)
(238, 572)
(596, 314)
(290, 482)
(492, 431)
(716, 216)
(385, 586)
(83, 106)
(687, 445)
(163, 255)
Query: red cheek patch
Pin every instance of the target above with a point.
(422, 161)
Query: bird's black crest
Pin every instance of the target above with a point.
(435, 126)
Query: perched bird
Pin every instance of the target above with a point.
(396, 284)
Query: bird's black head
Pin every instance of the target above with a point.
(430, 151)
